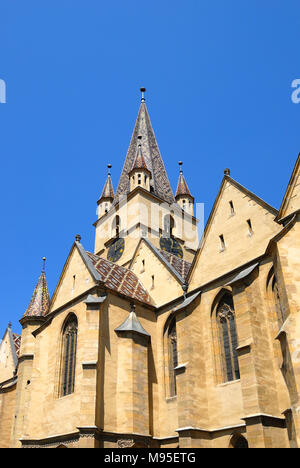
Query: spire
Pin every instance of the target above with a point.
(139, 162)
(160, 184)
(108, 191)
(182, 188)
(40, 301)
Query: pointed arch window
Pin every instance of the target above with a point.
(173, 357)
(228, 338)
(69, 356)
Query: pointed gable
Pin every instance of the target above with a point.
(152, 158)
(154, 269)
(238, 231)
(291, 200)
(76, 278)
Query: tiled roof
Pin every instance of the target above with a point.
(108, 190)
(40, 301)
(181, 266)
(17, 342)
(119, 279)
(139, 162)
(152, 157)
(182, 188)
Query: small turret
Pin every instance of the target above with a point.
(139, 175)
(183, 196)
(40, 301)
(107, 196)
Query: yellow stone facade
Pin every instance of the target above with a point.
(151, 367)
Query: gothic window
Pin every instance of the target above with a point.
(69, 356)
(169, 225)
(173, 356)
(116, 226)
(228, 338)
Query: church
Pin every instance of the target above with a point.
(155, 340)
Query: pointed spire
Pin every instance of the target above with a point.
(108, 191)
(182, 188)
(160, 183)
(139, 162)
(40, 301)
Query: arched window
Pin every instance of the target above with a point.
(69, 356)
(173, 356)
(238, 442)
(169, 225)
(228, 338)
(116, 226)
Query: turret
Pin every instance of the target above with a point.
(139, 175)
(183, 196)
(33, 318)
(107, 196)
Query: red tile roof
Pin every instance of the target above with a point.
(181, 266)
(120, 279)
(17, 342)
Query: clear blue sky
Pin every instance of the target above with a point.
(218, 76)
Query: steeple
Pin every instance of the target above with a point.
(183, 195)
(160, 185)
(107, 196)
(139, 175)
(40, 301)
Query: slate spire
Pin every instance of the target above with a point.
(182, 187)
(40, 301)
(160, 184)
(108, 190)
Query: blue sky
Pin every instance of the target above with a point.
(218, 76)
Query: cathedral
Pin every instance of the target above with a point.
(155, 340)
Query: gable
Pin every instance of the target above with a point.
(162, 284)
(291, 200)
(75, 280)
(234, 207)
(7, 359)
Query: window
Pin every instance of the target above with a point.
(173, 357)
(222, 242)
(69, 356)
(169, 225)
(116, 226)
(228, 338)
(139, 179)
(250, 227)
(231, 208)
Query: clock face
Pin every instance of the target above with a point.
(169, 244)
(116, 250)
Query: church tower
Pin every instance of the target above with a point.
(144, 205)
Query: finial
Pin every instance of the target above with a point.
(132, 307)
(44, 261)
(143, 90)
(109, 168)
(78, 238)
(180, 165)
(9, 324)
(227, 172)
